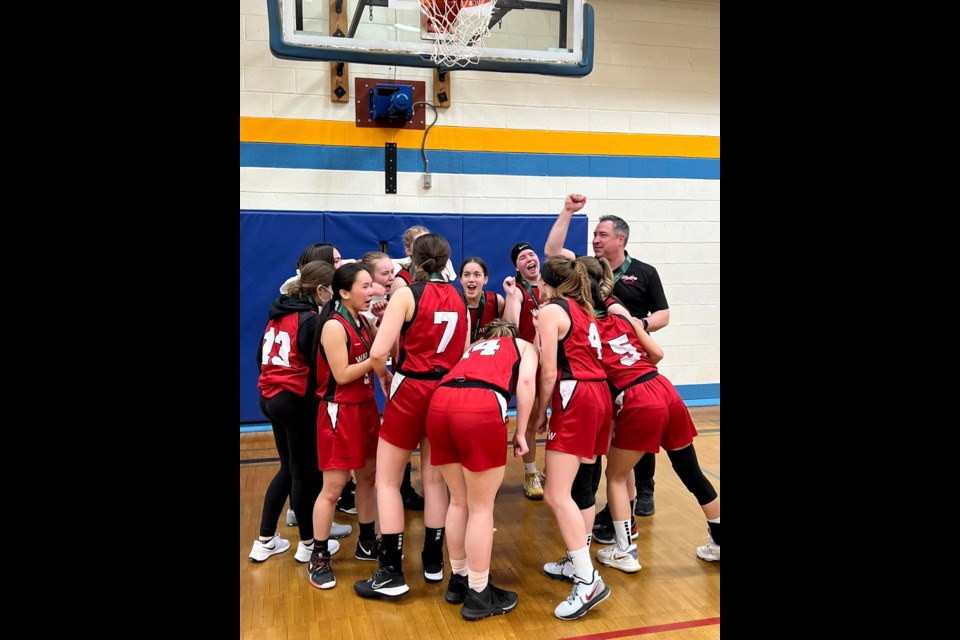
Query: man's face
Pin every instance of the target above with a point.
(606, 243)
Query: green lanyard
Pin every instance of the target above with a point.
(622, 269)
(475, 329)
(526, 285)
(413, 273)
(343, 313)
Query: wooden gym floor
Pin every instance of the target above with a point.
(676, 596)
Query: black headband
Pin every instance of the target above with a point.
(517, 248)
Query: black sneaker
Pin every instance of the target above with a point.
(320, 572)
(412, 501)
(369, 550)
(606, 535)
(457, 589)
(644, 499)
(602, 523)
(386, 581)
(347, 503)
(489, 602)
(432, 569)
(603, 534)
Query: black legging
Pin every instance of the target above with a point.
(644, 469)
(294, 421)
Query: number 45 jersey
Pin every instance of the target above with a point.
(624, 358)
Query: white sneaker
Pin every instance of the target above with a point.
(623, 560)
(583, 597)
(291, 518)
(338, 531)
(263, 550)
(304, 551)
(562, 569)
(710, 551)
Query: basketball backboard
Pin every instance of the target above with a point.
(550, 37)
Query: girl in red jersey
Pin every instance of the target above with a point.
(287, 400)
(572, 375)
(381, 266)
(649, 414)
(430, 319)
(467, 427)
(408, 275)
(522, 295)
(348, 420)
(484, 306)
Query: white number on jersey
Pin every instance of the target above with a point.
(594, 337)
(621, 345)
(485, 348)
(282, 359)
(450, 317)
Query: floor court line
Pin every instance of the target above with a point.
(657, 628)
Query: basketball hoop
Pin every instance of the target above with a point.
(459, 29)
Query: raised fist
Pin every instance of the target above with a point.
(575, 202)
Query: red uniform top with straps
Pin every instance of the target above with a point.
(624, 358)
(404, 275)
(480, 316)
(282, 366)
(526, 330)
(358, 350)
(431, 343)
(578, 352)
(492, 364)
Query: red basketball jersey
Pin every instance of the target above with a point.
(282, 366)
(404, 275)
(493, 362)
(578, 352)
(526, 330)
(432, 342)
(624, 358)
(358, 350)
(480, 316)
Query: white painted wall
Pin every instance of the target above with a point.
(657, 71)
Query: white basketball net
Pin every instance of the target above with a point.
(461, 27)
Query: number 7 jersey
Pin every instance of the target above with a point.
(432, 342)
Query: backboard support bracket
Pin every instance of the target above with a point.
(339, 71)
(441, 88)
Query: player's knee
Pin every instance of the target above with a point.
(582, 491)
(688, 469)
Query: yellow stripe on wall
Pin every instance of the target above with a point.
(337, 133)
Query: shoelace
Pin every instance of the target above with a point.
(574, 594)
(378, 575)
(323, 564)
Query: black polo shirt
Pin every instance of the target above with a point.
(640, 290)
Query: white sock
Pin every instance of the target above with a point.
(621, 528)
(458, 567)
(715, 520)
(530, 467)
(478, 579)
(589, 539)
(582, 565)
